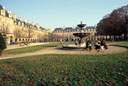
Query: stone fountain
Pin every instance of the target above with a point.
(81, 34)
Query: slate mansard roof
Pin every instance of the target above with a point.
(67, 29)
(90, 28)
(58, 30)
(70, 29)
(16, 21)
(1, 7)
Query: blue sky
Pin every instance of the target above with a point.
(60, 13)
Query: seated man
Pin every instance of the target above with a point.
(88, 46)
(103, 44)
(97, 46)
(25, 43)
(61, 41)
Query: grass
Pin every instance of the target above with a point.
(66, 70)
(30, 49)
(33, 48)
(123, 44)
(72, 70)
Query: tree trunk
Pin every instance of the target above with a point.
(110, 38)
(120, 38)
(125, 36)
(114, 37)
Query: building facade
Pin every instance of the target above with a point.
(66, 34)
(17, 30)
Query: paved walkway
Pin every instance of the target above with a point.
(59, 50)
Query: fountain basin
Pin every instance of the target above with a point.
(74, 46)
(81, 35)
(81, 25)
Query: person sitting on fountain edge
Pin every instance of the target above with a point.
(76, 42)
(88, 45)
(97, 45)
(103, 44)
(79, 42)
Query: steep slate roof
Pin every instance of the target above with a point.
(42, 28)
(58, 30)
(6, 13)
(1, 7)
(17, 20)
(76, 28)
(35, 27)
(90, 28)
(68, 29)
(25, 24)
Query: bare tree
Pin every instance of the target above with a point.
(30, 32)
(114, 23)
(18, 33)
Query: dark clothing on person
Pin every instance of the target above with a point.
(97, 45)
(79, 40)
(76, 42)
(103, 43)
(88, 45)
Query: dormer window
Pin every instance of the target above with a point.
(10, 15)
(22, 24)
(19, 23)
(3, 12)
(14, 16)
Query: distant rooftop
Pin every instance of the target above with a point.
(70, 29)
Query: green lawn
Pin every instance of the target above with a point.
(66, 70)
(123, 44)
(33, 48)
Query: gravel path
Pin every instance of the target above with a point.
(59, 50)
(21, 46)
